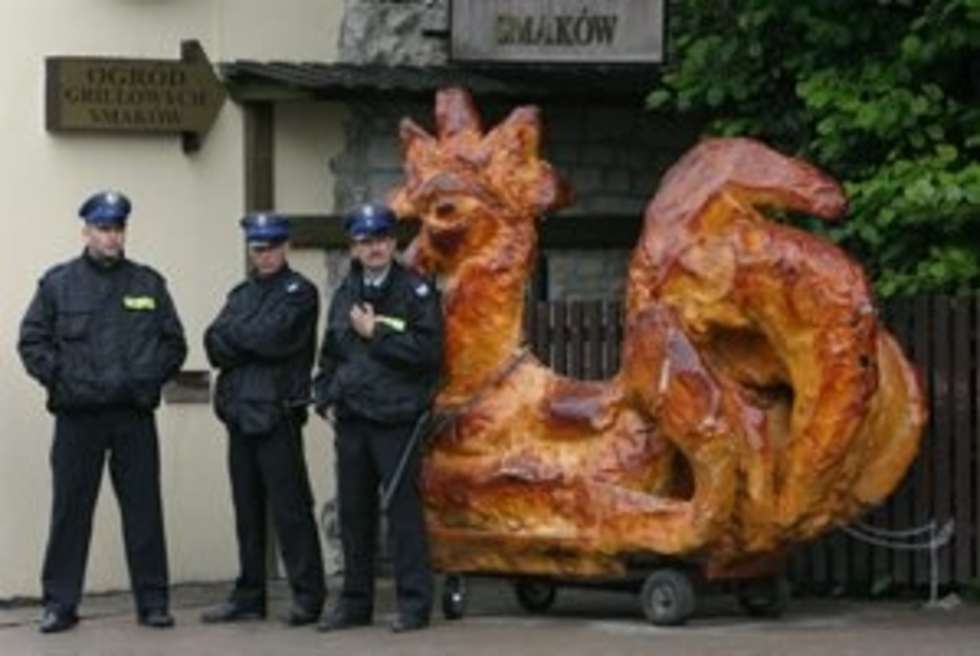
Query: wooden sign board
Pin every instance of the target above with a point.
(560, 31)
(131, 95)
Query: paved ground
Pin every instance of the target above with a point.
(581, 622)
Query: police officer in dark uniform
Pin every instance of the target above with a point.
(102, 336)
(264, 342)
(378, 367)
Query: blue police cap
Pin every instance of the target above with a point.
(105, 208)
(370, 220)
(265, 227)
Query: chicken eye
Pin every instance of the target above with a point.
(445, 210)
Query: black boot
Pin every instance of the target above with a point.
(403, 624)
(300, 615)
(340, 619)
(231, 611)
(156, 618)
(54, 621)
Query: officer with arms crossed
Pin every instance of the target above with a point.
(102, 336)
(379, 365)
(264, 342)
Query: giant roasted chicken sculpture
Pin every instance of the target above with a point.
(759, 402)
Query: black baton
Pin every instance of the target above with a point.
(389, 490)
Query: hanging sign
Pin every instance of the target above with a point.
(582, 31)
(132, 95)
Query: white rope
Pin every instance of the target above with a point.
(888, 533)
(889, 539)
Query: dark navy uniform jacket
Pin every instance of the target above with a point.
(390, 377)
(264, 343)
(99, 336)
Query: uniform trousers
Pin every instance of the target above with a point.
(82, 440)
(367, 455)
(270, 471)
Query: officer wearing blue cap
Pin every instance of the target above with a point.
(378, 367)
(105, 208)
(102, 336)
(370, 220)
(265, 229)
(263, 342)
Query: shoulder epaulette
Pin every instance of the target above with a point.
(56, 270)
(148, 271)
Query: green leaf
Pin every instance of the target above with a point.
(659, 98)
(912, 46)
(716, 96)
(867, 116)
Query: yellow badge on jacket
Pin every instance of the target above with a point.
(139, 303)
(396, 324)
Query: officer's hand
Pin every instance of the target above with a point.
(325, 410)
(362, 319)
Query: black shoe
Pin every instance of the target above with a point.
(340, 619)
(230, 611)
(156, 618)
(404, 624)
(299, 615)
(54, 622)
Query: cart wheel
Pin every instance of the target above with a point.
(454, 597)
(668, 597)
(767, 597)
(535, 596)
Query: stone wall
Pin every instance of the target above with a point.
(394, 32)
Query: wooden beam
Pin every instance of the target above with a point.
(327, 231)
(260, 189)
(590, 231)
(268, 93)
(579, 232)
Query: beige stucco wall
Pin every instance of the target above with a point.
(184, 224)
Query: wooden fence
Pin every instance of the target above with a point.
(939, 333)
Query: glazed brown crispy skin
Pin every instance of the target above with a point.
(759, 402)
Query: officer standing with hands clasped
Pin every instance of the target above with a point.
(379, 364)
(264, 342)
(102, 336)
